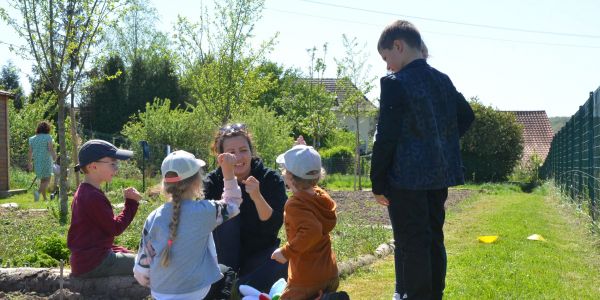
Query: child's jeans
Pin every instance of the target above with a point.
(417, 219)
(292, 292)
(114, 264)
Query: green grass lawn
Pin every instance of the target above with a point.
(566, 266)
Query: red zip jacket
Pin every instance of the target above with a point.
(94, 227)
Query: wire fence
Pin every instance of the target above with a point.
(574, 157)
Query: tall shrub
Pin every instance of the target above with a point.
(493, 145)
(159, 125)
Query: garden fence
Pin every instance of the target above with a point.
(574, 157)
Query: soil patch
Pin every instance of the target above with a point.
(361, 206)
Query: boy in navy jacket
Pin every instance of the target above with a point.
(416, 157)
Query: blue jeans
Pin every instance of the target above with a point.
(257, 270)
(417, 219)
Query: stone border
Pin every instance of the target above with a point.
(348, 267)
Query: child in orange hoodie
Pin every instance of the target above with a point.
(309, 217)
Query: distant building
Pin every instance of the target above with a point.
(366, 125)
(537, 133)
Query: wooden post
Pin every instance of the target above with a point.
(4, 144)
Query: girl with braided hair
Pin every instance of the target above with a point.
(177, 256)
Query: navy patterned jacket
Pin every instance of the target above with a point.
(421, 118)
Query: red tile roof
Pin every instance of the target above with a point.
(537, 133)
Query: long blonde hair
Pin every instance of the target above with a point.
(175, 192)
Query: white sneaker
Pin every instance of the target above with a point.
(398, 297)
(36, 196)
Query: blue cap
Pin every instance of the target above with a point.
(94, 150)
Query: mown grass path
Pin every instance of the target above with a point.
(566, 266)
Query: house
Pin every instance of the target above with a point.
(537, 133)
(366, 124)
(4, 143)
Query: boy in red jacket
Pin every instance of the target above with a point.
(93, 224)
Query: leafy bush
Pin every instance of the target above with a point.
(338, 159)
(160, 125)
(527, 174)
(36, 260)
(271, 134)
(54, 246)
(493, 145)
(339, 137)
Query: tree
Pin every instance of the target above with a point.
(355, 83)
(160, 125)
(9, 81)
(219, 62)
(102, 108)
(135, 35)
(493, 145)
(59, 36)
(309, 105)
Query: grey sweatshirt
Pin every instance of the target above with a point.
(192, 266)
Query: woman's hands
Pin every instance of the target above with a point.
(252, 187)
(262, 207)
(227, 162)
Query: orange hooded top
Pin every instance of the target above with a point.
(308, 221)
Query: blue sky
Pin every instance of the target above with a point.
(513, 55)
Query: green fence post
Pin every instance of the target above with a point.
(591, 179)
(580, 136)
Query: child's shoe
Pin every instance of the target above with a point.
(36, 196)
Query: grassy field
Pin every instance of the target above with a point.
(21, 229)
(565, 266)
(341, 182)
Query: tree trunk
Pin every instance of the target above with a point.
(357, 154)
(74, 137)
(64, 164)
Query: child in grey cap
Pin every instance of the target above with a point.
(309, 217)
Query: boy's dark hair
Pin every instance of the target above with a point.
(43, 127)
(399, 30)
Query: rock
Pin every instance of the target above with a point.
(11, 205)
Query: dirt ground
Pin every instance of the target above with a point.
(361, 205)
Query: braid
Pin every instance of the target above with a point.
(172, 232)
(176, 192)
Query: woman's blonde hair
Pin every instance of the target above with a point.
(175, 192)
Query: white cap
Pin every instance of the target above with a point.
(302, 161)
(183, 163)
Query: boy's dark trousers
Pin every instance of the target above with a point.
(417, 219)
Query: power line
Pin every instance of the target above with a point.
(455, 22)
(441, 33)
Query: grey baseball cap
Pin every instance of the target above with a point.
(302, 161)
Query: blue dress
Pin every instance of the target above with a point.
(42, 160)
